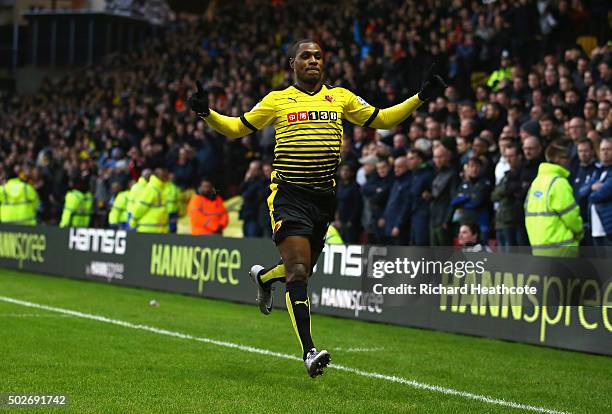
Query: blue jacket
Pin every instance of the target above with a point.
(349, 206)
(473, 202)
(421, 181)
(251, 192)
(581, 183)
(602, 199)
(397, 210)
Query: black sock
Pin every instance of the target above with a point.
(298, 306)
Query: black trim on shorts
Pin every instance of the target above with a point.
(247, 123)
(371, 118)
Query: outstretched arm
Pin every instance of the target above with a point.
(389, 117)
(230, 126)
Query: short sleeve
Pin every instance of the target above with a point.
(357, 111)
(261, 115)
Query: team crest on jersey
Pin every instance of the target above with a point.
(312, 116)
(329, 98)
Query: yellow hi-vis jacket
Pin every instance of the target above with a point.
(18, 202)
(552, 217)
(118, 215)
(498, 76)
(134, 194)
(150, 214)
(171, 191)
(78, 207)
(171, 194)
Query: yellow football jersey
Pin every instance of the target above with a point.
(308, 131)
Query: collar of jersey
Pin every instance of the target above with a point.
(306, 92)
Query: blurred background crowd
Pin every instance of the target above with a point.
(467, 156)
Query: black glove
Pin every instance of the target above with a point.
(198, 102)
(433, 84)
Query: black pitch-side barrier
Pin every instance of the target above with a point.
(556, 302)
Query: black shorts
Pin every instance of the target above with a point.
(295, 211)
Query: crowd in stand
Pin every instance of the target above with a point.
(467, 156)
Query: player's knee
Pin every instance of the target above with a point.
(297, 272)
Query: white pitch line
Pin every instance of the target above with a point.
(367, 374)
(32, 315)
(358, 349)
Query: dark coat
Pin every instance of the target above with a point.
(442, 188)
(251, 192)
(472, 198)
(420, 182)
(397, 210)
(584, 177)
(509, 213)
(602, 200)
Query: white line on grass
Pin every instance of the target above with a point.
(33, 315)
(358, 349)
(246, 348)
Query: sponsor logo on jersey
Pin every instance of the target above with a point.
(312, 116)
(362, 101)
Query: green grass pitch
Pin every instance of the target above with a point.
(110, 368)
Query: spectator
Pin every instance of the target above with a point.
(576, 131)
(494, 118)
(185, 169)
(548, 130)
(78, 205)
(252, 189)
(472, 196)
(367, 169)
(532, 152)
(171, 194)
(376, 193)
(588, 171)
(443, 185)
(264, 212)
(470, 239)
(135, 193)
(509, 223)
(118, 215)
(19, 201)
(552, 217)
(395, 219)
(348, 212)
(502, 163)
(503, 72)
(399, 145)
(206, 211)
(600, 199)
(150, 214)
(422, 176)
(368, 174)
(464, 150)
